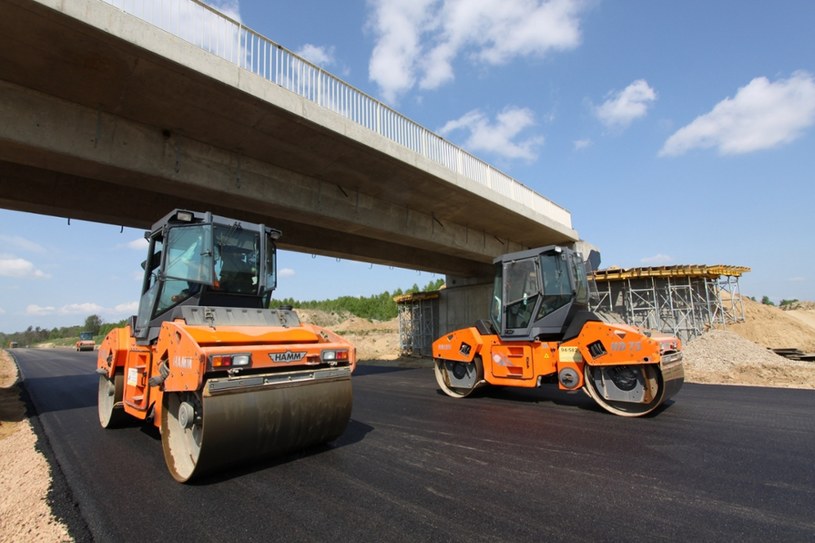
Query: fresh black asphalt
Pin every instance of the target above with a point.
(718, 463)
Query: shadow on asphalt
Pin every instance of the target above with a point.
(364, 371)
(551, 394)
(377, 367)
(354, 433)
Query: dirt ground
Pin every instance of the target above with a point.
(24, 474)
(738, 355)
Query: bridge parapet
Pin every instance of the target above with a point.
(233, 41)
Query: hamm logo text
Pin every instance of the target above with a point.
(288, 356)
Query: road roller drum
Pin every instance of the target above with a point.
(237, 421)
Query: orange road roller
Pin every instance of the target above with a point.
(224, 378)
(541, 330)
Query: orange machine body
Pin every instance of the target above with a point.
(526, 363)
(185, 356)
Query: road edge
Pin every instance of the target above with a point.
(60, 498)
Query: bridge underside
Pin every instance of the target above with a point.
(120, 130)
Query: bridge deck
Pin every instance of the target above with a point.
(109, 118)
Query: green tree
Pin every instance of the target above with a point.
(766, 300)
(434, 285)
(93, 324)
(376, 307)
(105, 329)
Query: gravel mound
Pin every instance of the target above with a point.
(725, 357)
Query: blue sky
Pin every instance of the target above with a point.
(674, 132)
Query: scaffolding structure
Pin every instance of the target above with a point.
(418, 322)
(681, 300)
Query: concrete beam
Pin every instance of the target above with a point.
(53, 135)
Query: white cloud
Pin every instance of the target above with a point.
(418, 40)
(761, 115)
(72, 309)
(498, 137)
(11, 266)
(397, 25)
(21, 243)
(285, 272)
(2, 311)
(139, 244)
(87, 308)
(582, 144)
(656, 259)
(321, 56)
(129, 308)
(623, 107)
(40, 310)
(230, 8)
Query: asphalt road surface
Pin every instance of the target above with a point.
(720, 463)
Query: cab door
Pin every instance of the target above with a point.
(521, 296)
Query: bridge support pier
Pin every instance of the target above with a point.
(464, 301)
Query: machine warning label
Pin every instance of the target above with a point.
(132, 377)
(569, 354)
(288, 356)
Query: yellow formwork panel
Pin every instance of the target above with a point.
(678, 271)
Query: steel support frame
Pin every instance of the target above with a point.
(683, 306)
(417, 326)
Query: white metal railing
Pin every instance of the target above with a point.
(209, 29)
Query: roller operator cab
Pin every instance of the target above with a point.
(541, 329)
(225, 379)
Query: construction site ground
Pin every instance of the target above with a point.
(737, 355)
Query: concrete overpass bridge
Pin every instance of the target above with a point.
(117, 117)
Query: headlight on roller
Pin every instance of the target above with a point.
(241, 360)
(335, 356)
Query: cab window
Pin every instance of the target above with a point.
(236, 260)
(557, 287)
(522, 290)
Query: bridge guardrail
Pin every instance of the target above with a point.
(213, 31)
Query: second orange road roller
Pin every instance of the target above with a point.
(225, 379)
(541, 330)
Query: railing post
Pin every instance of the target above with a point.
(319, 86)
(247, 51)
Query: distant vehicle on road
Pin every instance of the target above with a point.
(12, 344)
(86, 342)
